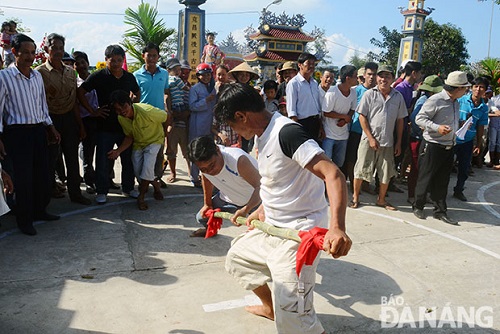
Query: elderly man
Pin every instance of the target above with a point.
(25, 123)
(381, 110)
(438, 118)
(294, 173)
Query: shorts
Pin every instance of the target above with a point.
(257, 258)
(370, 160)
(144, 161)
(177, 137)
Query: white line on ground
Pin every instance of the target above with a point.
(480, 197)
(230, 304)
(440, 233)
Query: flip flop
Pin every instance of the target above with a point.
(353, 205)
(388, 206)
(199, 233)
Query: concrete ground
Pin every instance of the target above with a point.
(115, 269)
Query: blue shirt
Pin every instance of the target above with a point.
(302, 97)
(416, 131)
(152, 86)
(355, 126)
(479, 116)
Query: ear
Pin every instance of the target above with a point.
(240, 116)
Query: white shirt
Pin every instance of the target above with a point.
(336, 101)
(233, 188)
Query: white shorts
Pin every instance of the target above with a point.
(144, 162)
(257, 258)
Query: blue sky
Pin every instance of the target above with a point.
(349, 26)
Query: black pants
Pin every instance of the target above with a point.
(27, 148)
(312, 125)
(68, 129)
(434, 168)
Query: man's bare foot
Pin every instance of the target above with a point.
(261, 311)
(171, 178)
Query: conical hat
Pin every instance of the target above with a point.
(244, 67)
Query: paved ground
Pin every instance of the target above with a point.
(114, 269)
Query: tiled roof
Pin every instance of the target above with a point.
(283, 34)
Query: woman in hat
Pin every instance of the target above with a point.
(243, 74)
(431, 85)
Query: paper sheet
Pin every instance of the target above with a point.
(463, 130)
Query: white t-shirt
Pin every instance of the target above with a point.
(336, 101)
(233, 188)
(292, 196)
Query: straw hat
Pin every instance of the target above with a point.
(244, 67)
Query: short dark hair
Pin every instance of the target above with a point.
(53, 36)
(151, 46)
(270, 84)
(237, 97)
(210, 34)
(372, 66)
(412, 66)
(305, 56)
(19, 39)
(481, 81)
(449, 88)
(224, 67)
(278, 66)
(81, 55)
(5, 24)
(119, 96)
(114, 50)
(202, 149)
(347, 71)
(13, 22)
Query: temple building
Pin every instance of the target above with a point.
(278, 39)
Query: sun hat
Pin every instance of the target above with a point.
(361, 72)
(385, 68)
(244, 67)
(457, 79)
(289, 65)
(432, 83)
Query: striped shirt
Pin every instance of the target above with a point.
(22, 99)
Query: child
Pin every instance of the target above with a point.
(282, 106)
(270, 88)
(212, 55)
(7, 34)
(143, 126)
(177, 131)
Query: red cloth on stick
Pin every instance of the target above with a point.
(311, 244)
(214, 224)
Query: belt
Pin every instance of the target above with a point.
(23, 126)
(446, 147)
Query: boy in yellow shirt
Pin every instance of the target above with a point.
(142, 125)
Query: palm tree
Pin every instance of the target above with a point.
(491, 67)
(145, 28)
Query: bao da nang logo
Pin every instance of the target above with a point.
(394, 313)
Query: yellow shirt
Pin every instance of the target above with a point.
(146, 127)
(60, 88)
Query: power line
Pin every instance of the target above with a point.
(347, 47)
(114, 14)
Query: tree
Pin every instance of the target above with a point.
(444, 48)
(230, 44)
(146, 28)
(357, 61)
(318, 46)
(491, 68)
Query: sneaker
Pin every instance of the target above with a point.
(101, 198)
(133, 193)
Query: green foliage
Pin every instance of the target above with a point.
(146, 28)
(491, 68)
(358, 61)
(20, 28)
(444, 48)
(318, 46)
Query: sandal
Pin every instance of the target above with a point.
(142, 205)
(199, 233)
(388, 206)
(353, 205)
(158, 195)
